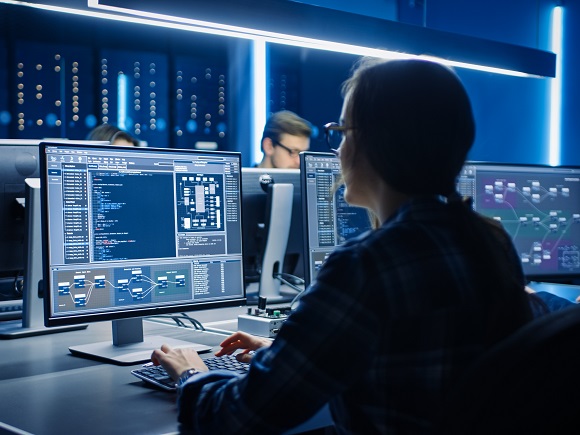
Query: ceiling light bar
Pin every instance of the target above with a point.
(556, 87)
(309, 26)
(197, 26)
(259, 98)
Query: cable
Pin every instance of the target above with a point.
(178, 320)
(293, 278)
(174, 318)
(296, 299)
(288, 283)
(195, 322)
(17, 287)
(19, 284)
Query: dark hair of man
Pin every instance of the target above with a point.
(110, 133)
(412, 120)
(287, 122)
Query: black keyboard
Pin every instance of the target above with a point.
(11, 310)
(157, 375)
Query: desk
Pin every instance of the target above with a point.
(45, 390)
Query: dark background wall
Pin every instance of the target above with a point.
(512, 113)
(182, 87)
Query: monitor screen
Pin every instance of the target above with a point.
(328, 220)
(539, 206)
(18, 161)
(132, 232)
(256, 216)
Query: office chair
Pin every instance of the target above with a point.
(527, 384)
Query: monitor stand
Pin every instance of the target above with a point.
(32, 322)
(129, 345)
(279, 207)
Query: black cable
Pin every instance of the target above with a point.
(17, 287)
(178, 320)
(288, 283)
(293, 278)
(19, 284)
(296, 299)
(195, 322)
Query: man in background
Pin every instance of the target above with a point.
(112, 134)
(285, 136)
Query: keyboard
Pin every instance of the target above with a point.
(11, 310)
(157, 375)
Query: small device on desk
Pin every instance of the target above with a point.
(262, 321)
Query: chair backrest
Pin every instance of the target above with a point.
(527, 384)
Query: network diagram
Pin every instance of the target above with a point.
(542, 217)
(121, 286)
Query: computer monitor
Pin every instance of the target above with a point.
(539, 206)
(32, 312)
(19, 250)
(18, 161)
(328, 220)
(258, 201)
(132, 232)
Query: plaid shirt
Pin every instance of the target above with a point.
(392, 319)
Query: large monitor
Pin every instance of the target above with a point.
(132, 232)
(328, 220)
(539, 206)
(261, 216)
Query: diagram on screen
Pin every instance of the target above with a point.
(542, 217)
(200, 202)
(121, 286)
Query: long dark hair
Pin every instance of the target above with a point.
(412, 121)
(406, 111)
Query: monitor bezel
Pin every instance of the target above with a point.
(120, 314)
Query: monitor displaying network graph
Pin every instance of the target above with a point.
(539, 206)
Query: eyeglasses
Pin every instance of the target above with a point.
(293, 153)
(334, 133)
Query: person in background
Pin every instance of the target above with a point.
(395, 315)
(285, 136)
(112, 134)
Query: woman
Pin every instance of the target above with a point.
(395, 315)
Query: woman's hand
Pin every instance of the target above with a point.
(241, 340)
(176, 361)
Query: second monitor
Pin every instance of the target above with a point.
(260, 217)
(328, 220)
